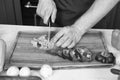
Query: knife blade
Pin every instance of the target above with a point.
(49, 30)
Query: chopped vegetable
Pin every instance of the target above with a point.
(42, 43)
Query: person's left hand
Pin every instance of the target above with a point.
(67, 37)
(46, 9)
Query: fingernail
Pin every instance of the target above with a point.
(45, 22)
(53, 20)
(69, 47)
(57, 44)
(63, 46)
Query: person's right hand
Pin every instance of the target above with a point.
(45, 9)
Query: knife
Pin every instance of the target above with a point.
(49, 30)
(115, 71)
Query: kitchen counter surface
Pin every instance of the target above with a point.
(9, 32)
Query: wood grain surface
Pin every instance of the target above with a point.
(19, 78)
(24, 54)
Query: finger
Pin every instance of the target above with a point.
(39, 10)
(57, 36)
(53, 17)
(47, 16)
(71, 45)
(62, 40)
(67, 43)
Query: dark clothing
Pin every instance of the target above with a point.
(70, 10)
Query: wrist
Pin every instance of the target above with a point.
(81, 30)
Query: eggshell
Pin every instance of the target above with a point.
(13, 71)
(46, 71)
(24, 72)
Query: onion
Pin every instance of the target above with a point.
(12, 71)
(24, 72)
(46, 71)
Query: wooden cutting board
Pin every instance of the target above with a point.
(24, 54)
(19, 78)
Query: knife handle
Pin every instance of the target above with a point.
(115, 71)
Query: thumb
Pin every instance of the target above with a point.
(46, 17)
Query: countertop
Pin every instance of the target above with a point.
(9, 32)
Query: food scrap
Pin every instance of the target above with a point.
(84, 54)
(104, 57)
(42, 43)
(78, 53)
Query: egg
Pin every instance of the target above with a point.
(12, 71)
(25, 72)
(46, 71)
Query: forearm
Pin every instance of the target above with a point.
(94, 14)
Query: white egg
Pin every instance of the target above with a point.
(24, 72)
(46, 71)
(13, 71)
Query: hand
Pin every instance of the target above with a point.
(1, 68)
(45, 9)
(67, 37)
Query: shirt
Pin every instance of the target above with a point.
(68, 11)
